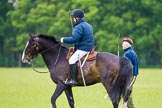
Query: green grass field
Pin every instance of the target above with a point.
(23, 88)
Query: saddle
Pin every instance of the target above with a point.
(91, 56)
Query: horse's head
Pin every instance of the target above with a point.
(31, 50)
(36, 44)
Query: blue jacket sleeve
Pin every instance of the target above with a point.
(76, 35)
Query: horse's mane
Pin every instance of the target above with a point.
(48, 37)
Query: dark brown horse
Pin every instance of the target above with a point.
(112, 71)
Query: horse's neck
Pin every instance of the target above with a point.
(54, 56)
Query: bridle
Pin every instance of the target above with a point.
(37, 46)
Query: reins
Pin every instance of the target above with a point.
(58, 56)
(37, 70)
(46, 51)
(49, 48)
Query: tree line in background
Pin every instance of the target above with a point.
(139, 19)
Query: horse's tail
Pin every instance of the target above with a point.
(123, 80)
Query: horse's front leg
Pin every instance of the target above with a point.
(69, 95)
(58, 91)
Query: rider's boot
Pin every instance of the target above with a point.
(73, 71)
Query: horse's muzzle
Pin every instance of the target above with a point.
(26, 59)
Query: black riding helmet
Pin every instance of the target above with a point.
(77, 13)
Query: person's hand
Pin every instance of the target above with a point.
(62, 40)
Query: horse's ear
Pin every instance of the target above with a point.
(30, 35)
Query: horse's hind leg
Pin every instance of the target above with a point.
(115, 104)
(126, 95)
(59, 89)
(114, 95)
(69, 95)
(116, 101)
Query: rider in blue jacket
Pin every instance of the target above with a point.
(83, 40)
(132, 56)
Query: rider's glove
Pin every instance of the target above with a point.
(62, 40)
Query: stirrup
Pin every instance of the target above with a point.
(70, 82)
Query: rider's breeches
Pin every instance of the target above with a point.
(76, 56)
